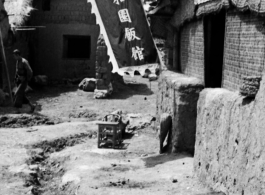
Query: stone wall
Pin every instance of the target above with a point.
(178, 95)
(230, 140)
(65, 17)
(192, 50)
(244, 48)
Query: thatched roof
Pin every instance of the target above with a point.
(257, 6)
(184, 12)
(211, 7)
(18, 11)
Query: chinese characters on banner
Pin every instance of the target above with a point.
(128, 31)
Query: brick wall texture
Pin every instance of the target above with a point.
(192, 50)
(244, 48)
(64, 12)
(65, 17)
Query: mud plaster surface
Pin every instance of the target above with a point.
(230, 140)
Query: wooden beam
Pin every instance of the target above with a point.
(20, 29)
(5, 64)
(30, 27)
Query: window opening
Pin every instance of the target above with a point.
(77, 47)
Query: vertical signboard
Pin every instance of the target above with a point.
(128, 31)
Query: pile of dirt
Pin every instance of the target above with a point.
(84, 114)
(9, 121)
(60, 143)
(139, 121)
(44, 174)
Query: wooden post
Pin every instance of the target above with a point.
(5, 64)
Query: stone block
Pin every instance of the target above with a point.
(88, 84)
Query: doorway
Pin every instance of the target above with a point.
(214, 36)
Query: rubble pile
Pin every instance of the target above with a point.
(250, 86)
(42, 173)
(83, 114)
(7, 121)
(87, 84)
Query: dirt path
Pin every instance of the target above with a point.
(60, 157)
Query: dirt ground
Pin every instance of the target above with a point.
(54, 150)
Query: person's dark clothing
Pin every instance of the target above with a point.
(23, 75)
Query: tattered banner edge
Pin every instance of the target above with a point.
(131, 69)
(141, 69)
(99, 21)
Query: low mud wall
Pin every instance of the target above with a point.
(178, 95)
(230, 141)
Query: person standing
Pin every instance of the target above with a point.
(22, 77)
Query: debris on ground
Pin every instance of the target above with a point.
(103, 93)
(87, 84)
(12, 121)
(84, 114)
(139, 121)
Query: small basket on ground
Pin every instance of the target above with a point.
(109, 131)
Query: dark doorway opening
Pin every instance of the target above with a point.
(214, 35)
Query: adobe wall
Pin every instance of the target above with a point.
(50, 59)
(178, 95)
(230, 140)
(66, 17)
(192, 49)
(244, 48)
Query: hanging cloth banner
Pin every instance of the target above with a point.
(128, 32)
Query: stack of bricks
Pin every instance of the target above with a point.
(103, 70)
(244, 48)
(192, 50)
(250, 86)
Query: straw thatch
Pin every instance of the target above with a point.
(184, 12)
(18, 11)
(158, 25)
(211, 7)
(257, 6)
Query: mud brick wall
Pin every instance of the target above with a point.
(244, 48)
(178, 95)
(64, 12)
(230, 140)
(65, 17)
(192, 50)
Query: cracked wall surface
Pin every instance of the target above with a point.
(230, 140)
